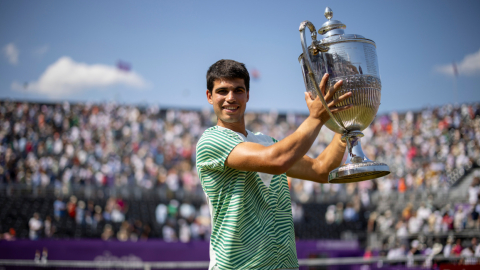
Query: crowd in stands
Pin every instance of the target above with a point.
(65, 145)
(429, 219)
(467, 250)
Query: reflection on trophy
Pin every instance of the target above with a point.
(353, 59)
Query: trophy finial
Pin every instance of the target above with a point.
(328, 13)
(331, 24)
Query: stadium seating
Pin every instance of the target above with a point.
(143, 157)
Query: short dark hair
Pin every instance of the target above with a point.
(228, 69)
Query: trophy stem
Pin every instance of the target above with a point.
(354, 147)
(357, 167)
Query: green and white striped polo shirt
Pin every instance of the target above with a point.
(252, 226)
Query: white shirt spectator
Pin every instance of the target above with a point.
(184, 231)
(473, 195)
(423, 212)
(169, 234)
(414, 224)
(117, 215)
(330, 214)
(447, 250)
(467, 253)
(458, 219)
(396, 253)
(187, 210)
(477, 251)
(161, 213)
(35, 225)
(402, 231)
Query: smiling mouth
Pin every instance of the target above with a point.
(231, 108)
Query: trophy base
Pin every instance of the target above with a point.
(356, 172)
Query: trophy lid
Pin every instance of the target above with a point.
(331, 24)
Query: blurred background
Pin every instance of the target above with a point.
(102, 103)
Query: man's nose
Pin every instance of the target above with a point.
(231, 96)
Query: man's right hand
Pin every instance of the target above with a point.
(315, 106)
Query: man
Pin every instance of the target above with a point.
(34, 224)
(244, 175)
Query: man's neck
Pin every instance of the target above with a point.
(237, 127)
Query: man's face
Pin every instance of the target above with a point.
(229, 98)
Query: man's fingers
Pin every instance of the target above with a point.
(323, 83)
(340, 99)
(343, 108)
(344, 96)
(336, 87)
(308, 96)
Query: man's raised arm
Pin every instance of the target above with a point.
(280, 157)
(317, 169)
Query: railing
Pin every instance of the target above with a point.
(134, 192)
(379, 262)
(162, 193)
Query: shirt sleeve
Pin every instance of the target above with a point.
(214, 147)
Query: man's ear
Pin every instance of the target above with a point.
(248, 95)
(209, 97)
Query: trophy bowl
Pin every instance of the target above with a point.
(353, 59)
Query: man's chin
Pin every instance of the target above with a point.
(233, 119)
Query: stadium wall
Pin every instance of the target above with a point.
(153, 250)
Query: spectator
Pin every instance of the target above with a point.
(339, 213)
(71, 207)
(402, 231)
(447, 222)
(184, 231)
(447, 250)
(107, 233)
(35, 224)
(187, 211)
(161, 213)
(350, 214)
(297, 212)
(117, 216)
(169, 234)
(397, 252)
(468, 254)
(457, 248)
(49, 227)
(124, 232)
(58, 209)
(423, 212)
(414, 223)
(476, 247)
(330, 214)
(473, 191)
(172, 209)
(80, 213)
(459, 219)
(414, 250)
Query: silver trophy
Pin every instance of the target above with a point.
(353, 59)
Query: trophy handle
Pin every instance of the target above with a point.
(319, 48)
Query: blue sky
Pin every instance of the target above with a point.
(171, 44)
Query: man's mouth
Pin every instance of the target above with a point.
(230, 108)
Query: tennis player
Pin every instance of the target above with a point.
(244, 174)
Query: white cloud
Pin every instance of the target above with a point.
(12, 53)
(40, 51)
(470, 65)
(66, 76)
